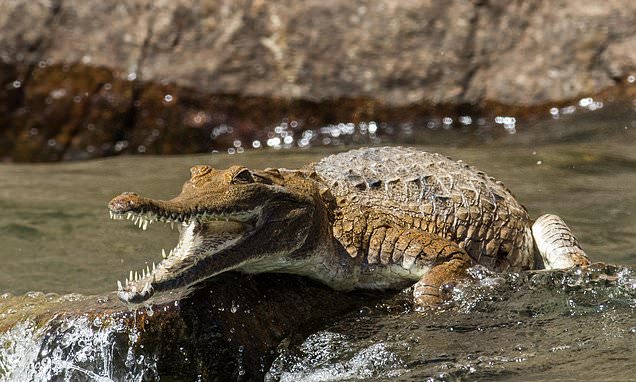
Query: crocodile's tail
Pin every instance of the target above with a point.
(556, 243)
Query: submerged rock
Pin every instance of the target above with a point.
(554, 324)
(228, 330)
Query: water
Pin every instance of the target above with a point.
(545, 326)
(57, 237)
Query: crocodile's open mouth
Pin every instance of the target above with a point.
(232, 219)
(202, 234)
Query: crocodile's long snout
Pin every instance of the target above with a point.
(144, 210)
(131, 202)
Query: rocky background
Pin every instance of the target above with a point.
(83, 79)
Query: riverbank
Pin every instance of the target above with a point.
(90, 79)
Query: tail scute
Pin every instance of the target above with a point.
(556, 243)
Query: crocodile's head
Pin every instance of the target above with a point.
(227, 219)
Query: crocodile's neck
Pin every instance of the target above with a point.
(320, 256)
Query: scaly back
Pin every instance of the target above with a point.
(407, 188)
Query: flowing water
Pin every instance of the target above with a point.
(56, 237)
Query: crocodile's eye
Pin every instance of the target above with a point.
(243, 176)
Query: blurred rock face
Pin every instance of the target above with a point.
(147, 72)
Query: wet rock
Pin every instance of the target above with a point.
(228, 330)
(158, 77)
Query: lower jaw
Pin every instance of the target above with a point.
(215, 236)
(134, 298)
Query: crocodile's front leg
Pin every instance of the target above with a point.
(441, 261)
(428, 291)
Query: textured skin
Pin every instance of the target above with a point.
(378, 218)
(385, 196)
(556, 244)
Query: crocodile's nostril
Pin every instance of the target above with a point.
(124, 202)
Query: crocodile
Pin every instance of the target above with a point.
(372, 218)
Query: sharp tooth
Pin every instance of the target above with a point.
(143, 273)
(127, 282)
(172, 225)
(145, 226)
(131, 276)
(119, 286)
(147, 270)
(163, 253)
(136, 276)
(154, 268)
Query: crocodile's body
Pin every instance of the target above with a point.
(411, 189)
(368, 218)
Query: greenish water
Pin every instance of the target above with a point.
(56, 237)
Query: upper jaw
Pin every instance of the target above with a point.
(202, 233)
(145, 211)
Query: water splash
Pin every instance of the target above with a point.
(71, 350)
(327, 356)
(577, 291)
